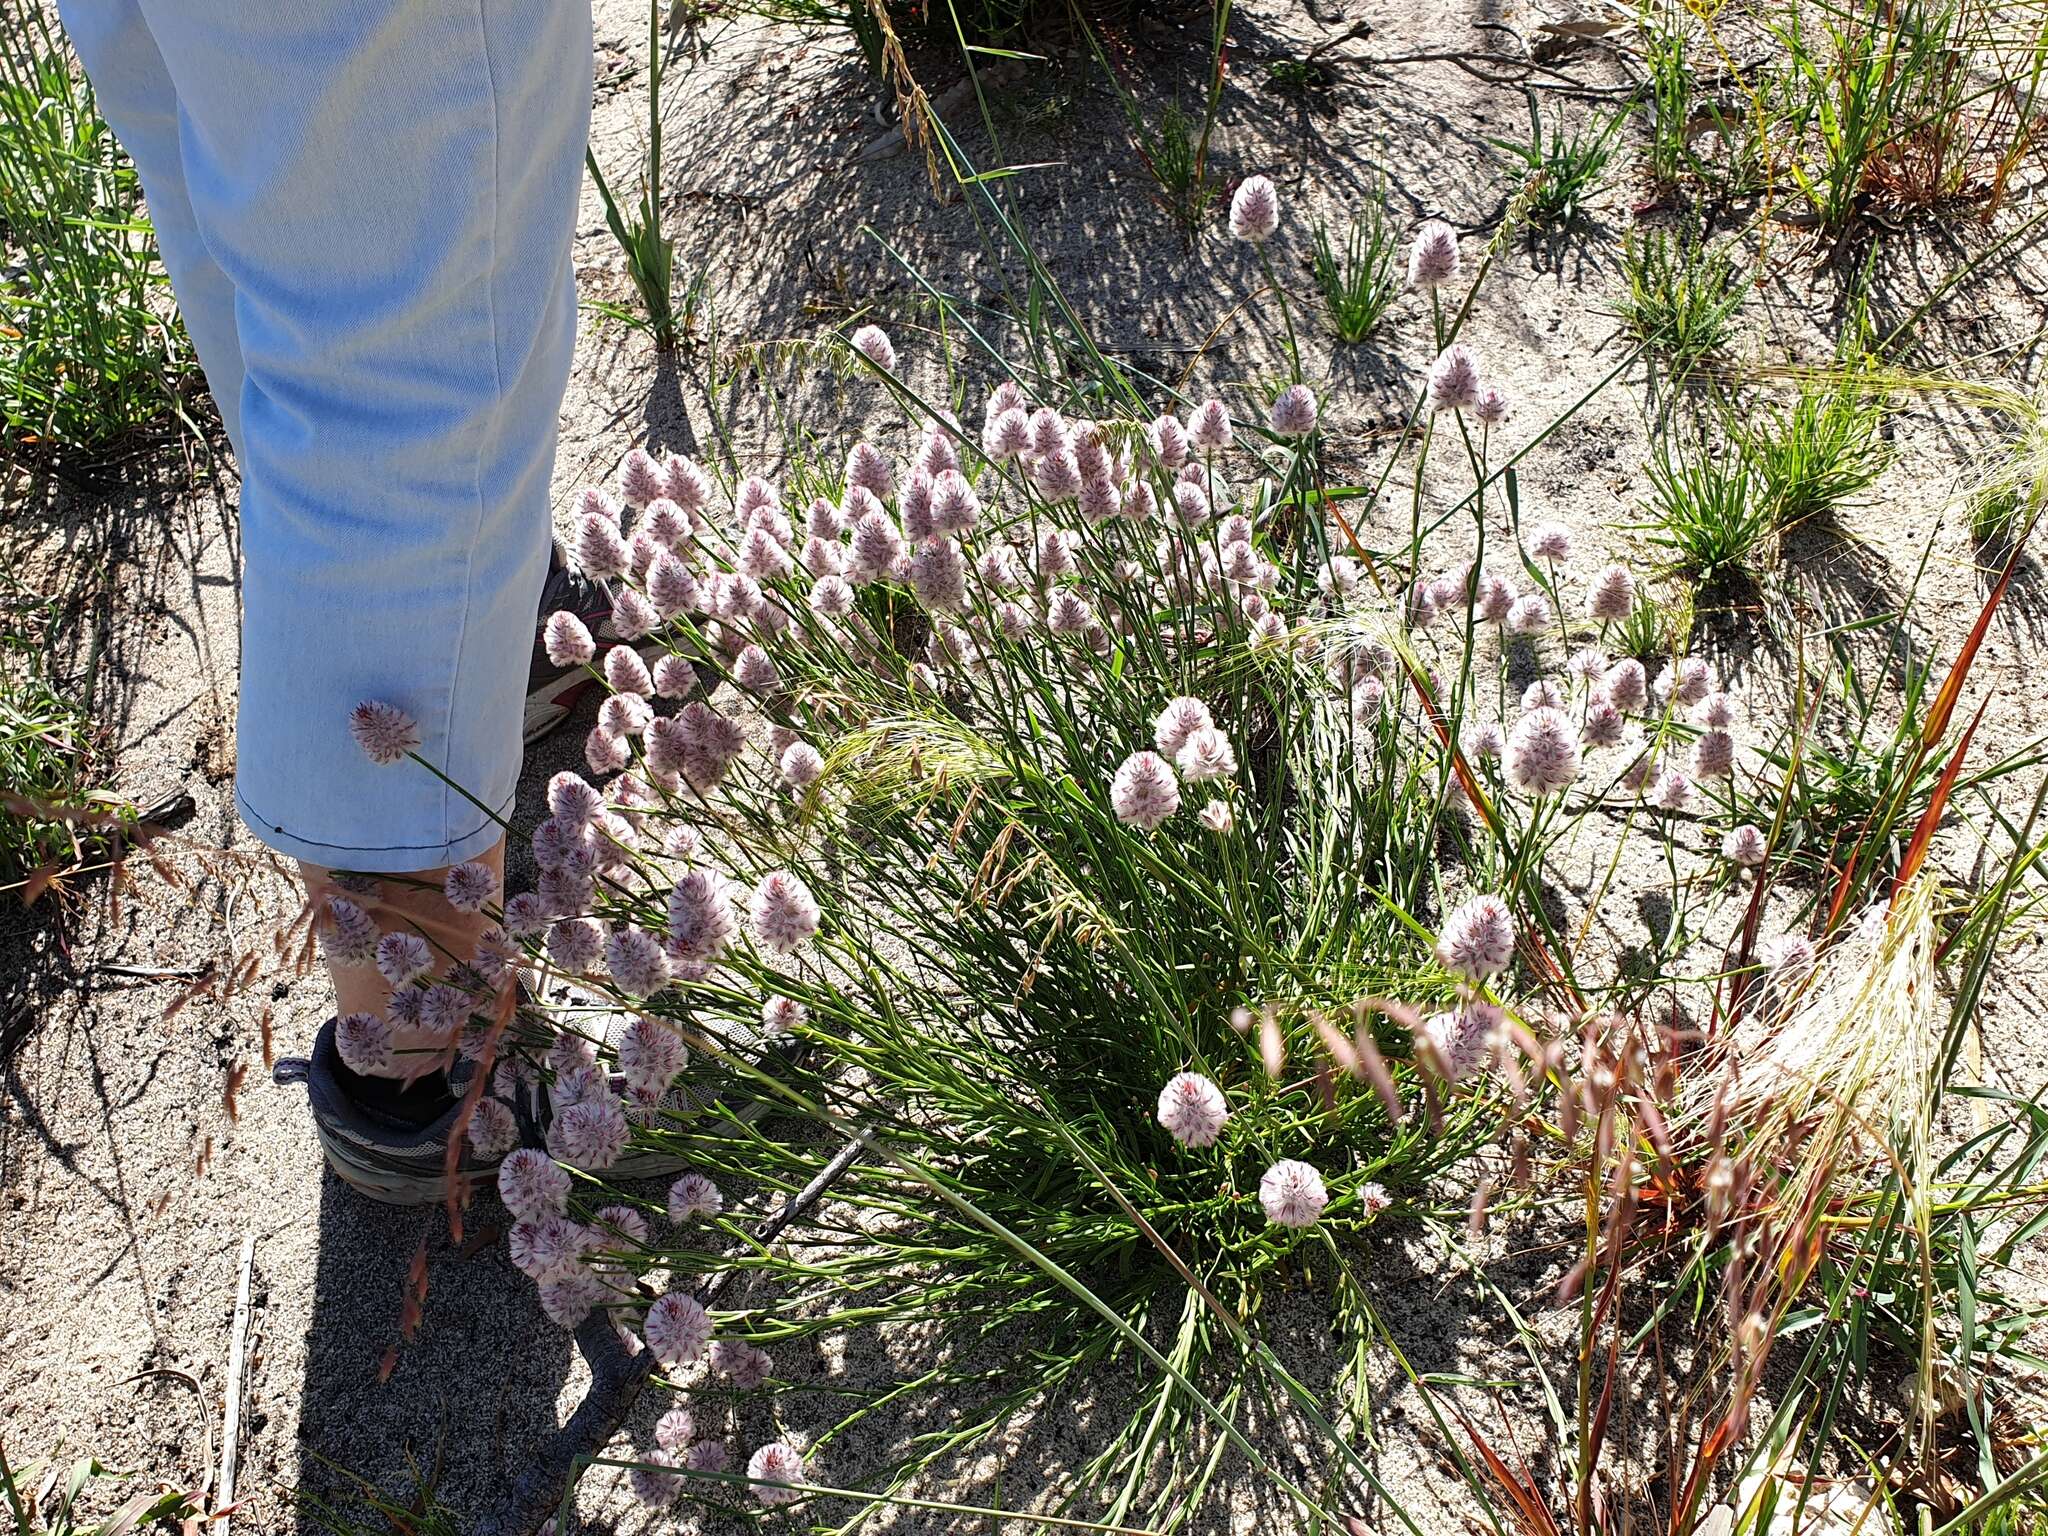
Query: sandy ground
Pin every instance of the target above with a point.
(131, 1175)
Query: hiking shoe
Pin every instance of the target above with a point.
(396, 1163)
(408, 1165)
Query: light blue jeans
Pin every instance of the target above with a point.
(366, 208)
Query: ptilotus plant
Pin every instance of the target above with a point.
(1143, 874)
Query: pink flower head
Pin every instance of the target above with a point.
(783, 912)
(1491, 408)
(574, 944)
(592, 502)
(686, 484)
(625, 672)
(590, 1134)
(1482, 741)
(706, 1456)
(653, 1480)
(745, 1366)
(403, 958)
(1542, 694)
(1478, 938)
(624, 714)
(1209, 427)
(385, 732)
(1206, 755)
(700, 916)
(573, 800)
(1745, 845)
(493, 1129)
(1552, 542)
(1716, 712)
(349, 938)
(678, 1330)
(641, 479)
(1459, 1043)
(773, 1469)
(1713, 755)
(1068, 614)
(1193, 1110)
(1433, 258)
(674, 1430)
(1255, 209)
(1672, 792)
(1007, 436)
(755, 492)
(1787, 959)
(1612, 596)
(1218, 817)
(1454, 379)
(668, 524)
(762, 558)
(1528, 614)
(567, 640)
(1543, 752)
(650, 1051)
(1167, 440)
(938, 575)
(1049, 433)
(468, 886)
(567, 1299)
(1292, 1194)
(544, 1245)
(754, 671)
(1373, 1201)
(873, 343)
(364, 1043)
(531, 1185)
(781, 1016)
(636, 962)
(601, 550)
(800, 765)
(1294, 411)
(526, 915)
(877, 546)
(1144, 792)
(1603, 725)
(866, 468)
(955, 507)
(1628, 686)
(1181, 718)
(691, 1196)
(1685, 681)
(831, 597)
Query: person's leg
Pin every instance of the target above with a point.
(135, 95)
(390, 188)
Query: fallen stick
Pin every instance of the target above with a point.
(238, 1355)
(615, 1382)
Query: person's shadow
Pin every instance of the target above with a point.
(488, 1401)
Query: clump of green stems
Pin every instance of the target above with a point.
(1709, 507)
(1823, 450)
(1562, 168)
(91, 350)
(1359, 283)
(1911, 104)
(1174, 150)
(1682, 296)
(650, 254)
